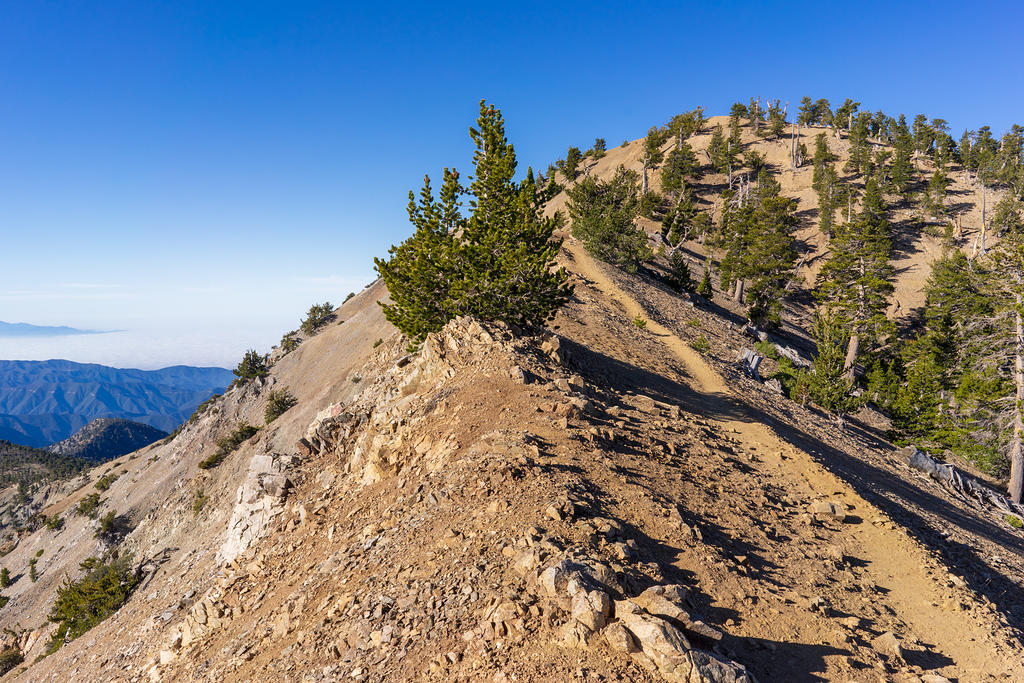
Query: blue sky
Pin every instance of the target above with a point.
(209, 169)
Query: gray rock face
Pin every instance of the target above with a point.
(261, 497)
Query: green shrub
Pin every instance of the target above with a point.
(82, 604)
(317, 317)
(33, 575)
(5, 577)
(693, 322)
(11, 657)
(88, 506)
(252, 366)
(378, 342)
(1014, 521)
(349, 296)
(3, 603)
(104, 482)
(107, 525)
(55, 523)
(701, 345)
(278, 401)
(640, 323)
(290, 342)
(198, 501)
(228, 444)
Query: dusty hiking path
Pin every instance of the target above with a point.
(902, 571)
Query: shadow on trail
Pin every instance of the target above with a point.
(895, 496)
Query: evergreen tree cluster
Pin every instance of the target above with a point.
(496, 264)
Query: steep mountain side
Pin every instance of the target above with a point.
(42, 402)
(106, 438)
(598, 503)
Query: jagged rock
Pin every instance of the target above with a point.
(663, 644)
(619, 638)
(709, 668)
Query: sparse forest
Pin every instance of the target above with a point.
(949, 373)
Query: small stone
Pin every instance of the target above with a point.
(888, 644)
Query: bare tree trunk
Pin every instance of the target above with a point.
(645, 179)
(792, 149)
(1016, 446)
(852, 349)
(738, 293)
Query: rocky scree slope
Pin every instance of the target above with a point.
(597, 503)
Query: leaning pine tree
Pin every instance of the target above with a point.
(497, 264)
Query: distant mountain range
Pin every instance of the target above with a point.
(27, 330)
(42, 402)
(106, 438)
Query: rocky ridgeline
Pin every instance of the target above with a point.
(436, 574)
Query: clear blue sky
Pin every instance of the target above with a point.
(213, 168)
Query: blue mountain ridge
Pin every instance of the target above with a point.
(42, 402)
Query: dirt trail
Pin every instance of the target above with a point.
(916, 589)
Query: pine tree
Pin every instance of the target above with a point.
(776, 119)
(1007, 350)
(902, 171)
(924, 135)
(704, 288)
(856, 280)
(679, 277)
(822, 157)
(828, 382)
(5, 578)
(1008, 215)
(823, 113)
(935, 200)
(830, 192)
(860, 152)
(603, 215)
(599, 149)
(421, 271)
(723, 155)
(495, 265)
(807, 116)
(680, 165)
(507, 251)
(843, 117)
(735, 136)
(760, 249)
(571, 165)
(652, 155)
